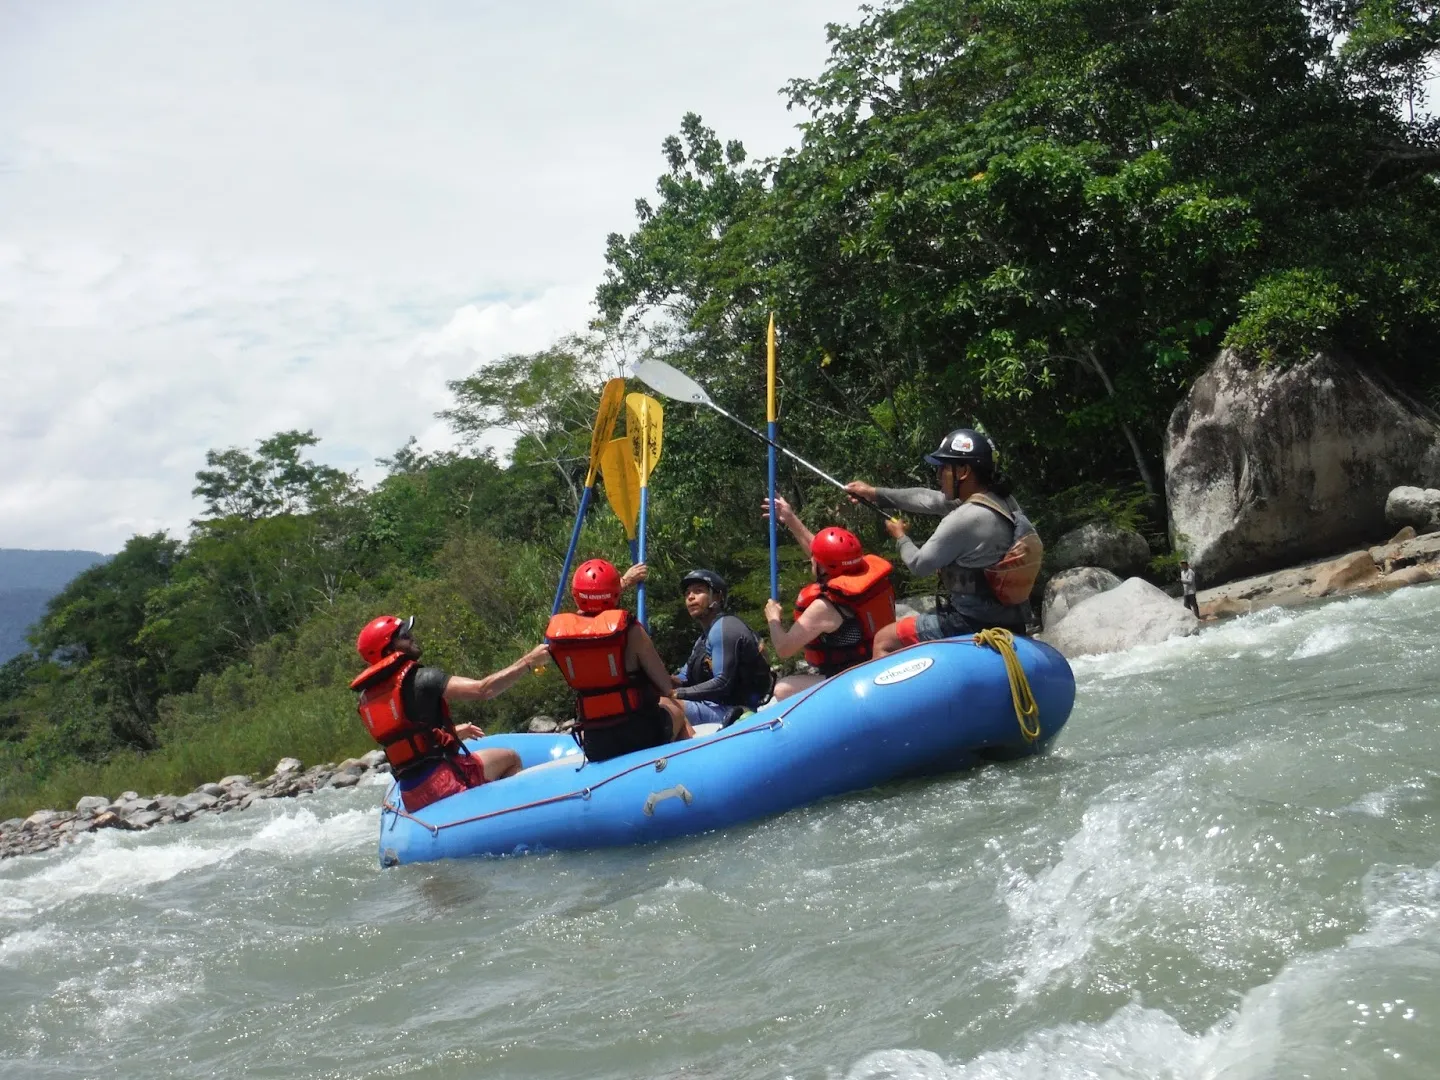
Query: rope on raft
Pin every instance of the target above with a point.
(1026, 709)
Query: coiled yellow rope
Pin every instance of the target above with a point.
(1026, 710)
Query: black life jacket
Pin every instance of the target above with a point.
(753, 679)
(411, 746)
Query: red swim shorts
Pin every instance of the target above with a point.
(905, 630)
(443, 781)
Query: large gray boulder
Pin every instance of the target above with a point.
(1267, 467)
(1099, 543)
(908, 606)
(1417, 507)
(1069, 587)
(1132, 614)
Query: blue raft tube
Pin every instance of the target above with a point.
(936, 707)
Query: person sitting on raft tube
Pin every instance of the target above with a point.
(623, 700)
(725, 674)
(985, 549)
(839, 614)
(406, 708)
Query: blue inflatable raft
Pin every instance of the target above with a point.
(933, 708)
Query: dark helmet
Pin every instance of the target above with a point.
(709, 578)
(965, 446)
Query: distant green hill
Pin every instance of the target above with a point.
(28, 579)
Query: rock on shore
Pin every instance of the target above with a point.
(1406, 559)
(1133, 613)
(48, 828)
(1266, 466)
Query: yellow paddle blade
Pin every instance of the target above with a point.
(644, 426)
(612, 400)
(622, 483)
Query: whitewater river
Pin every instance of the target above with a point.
(1226, 868)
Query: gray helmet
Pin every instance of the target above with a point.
(965, 446)
(709, 578)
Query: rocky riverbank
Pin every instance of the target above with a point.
(1406, 559)
(46, 829)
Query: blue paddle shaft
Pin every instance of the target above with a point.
(640, 555)
(774, 543)
(570, 552)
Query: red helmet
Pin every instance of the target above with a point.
(837, 551)
(377, 635)
(596, 586)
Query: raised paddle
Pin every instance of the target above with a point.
(644, 425)
(668, 382)
(612, 400)
(773, 429)
(622, 486)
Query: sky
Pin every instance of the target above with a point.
(222, 221)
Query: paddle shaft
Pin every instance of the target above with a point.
(796, 457)
(570, 551)
(774, 539)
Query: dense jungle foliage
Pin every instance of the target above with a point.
(1039, 217)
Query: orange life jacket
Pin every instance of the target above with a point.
(589, 650)
(866, 599)
(409, 745)
(1013, 577)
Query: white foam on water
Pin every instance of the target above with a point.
(1403, 904)
(1276, 1023)
(117, 997)
(1133, 1044)
(115, 863)
(26, 942)
(1141, 861)
(1298, 632)
(666, 899)
(1327, 639)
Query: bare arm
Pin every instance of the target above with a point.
(462, 689)
(785, 514)
(641, 649)
(821, 617)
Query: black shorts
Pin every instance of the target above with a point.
(640, 732)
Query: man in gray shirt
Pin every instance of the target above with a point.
(980, 522)
(1187, 586)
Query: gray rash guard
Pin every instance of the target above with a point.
(968, 539)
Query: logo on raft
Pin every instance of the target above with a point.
(901, 672)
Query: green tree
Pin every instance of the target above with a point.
(274, 480)
(546, 400)
(93, 629)
(1045, 217)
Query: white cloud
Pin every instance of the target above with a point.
(220, 222)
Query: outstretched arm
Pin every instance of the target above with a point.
(785, 514)
(461, 689)
(911, 500)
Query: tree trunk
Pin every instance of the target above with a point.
(1141, 466)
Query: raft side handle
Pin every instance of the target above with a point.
(679, 791)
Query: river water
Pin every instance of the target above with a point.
(1227, 867)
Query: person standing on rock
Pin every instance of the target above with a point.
(1187, 585)
(406, 708)
(985, 549)
(836, 616)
